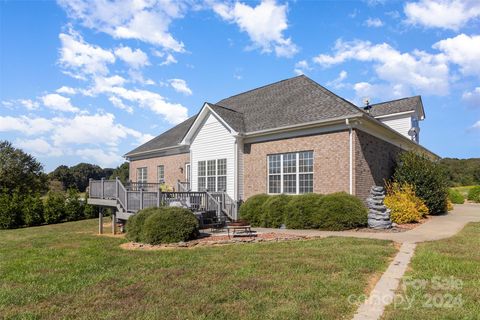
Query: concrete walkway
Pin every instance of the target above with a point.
(436, 228)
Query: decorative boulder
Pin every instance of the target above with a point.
(378, 213)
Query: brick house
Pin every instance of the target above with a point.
(293, 136)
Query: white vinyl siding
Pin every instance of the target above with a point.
(401, 123)
(213, 141)
(290, 173)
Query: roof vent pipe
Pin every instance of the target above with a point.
(366, 104)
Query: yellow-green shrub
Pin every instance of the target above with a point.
(405, 205)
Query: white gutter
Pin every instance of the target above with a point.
(350, 146)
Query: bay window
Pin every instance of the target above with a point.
(290, 173)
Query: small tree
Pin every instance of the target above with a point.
(73, 206)
(10, 209)
(122, 172)
(427, 178)
(88, 210)
(54, 209)
(33, 210)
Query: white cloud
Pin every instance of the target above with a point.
(472, 97)
(66, 90)
(57, 102)
(476, 125)
(147, 21)
(373, 22)
(170, 59)
(381, 91)
(135, 58)
(181, 86)
(445, 14)
(337, 83)
(173, 112)
(26, 125)
(105, 158)
(39, 147)
(81, 57)
(463, 50)
(301, 67)
(407, 72)
(264, 24)
(119, 104)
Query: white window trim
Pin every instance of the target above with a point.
(163, 173)
(297, 172)
(216, 175)
(146, 175)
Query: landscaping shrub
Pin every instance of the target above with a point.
(32, 210)
(252, 211)
(54, 207)
(474, 194)
(171, 224)
(134, 226)
(340, 211)
(301, 209)
(455, 196)
(275, 211)
(406, 207)
(10, 209)
(89, 210)
(428, 179)
(73, 206)
(449, 205)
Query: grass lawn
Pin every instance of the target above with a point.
(463, 190)
(65, 271)
(457, 257)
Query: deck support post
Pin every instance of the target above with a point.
(100, 220)
(114, 221)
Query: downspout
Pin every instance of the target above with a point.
(350, 147)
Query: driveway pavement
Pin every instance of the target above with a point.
(436, 228)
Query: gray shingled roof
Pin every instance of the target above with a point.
(232, 117)
(285, 103)
(169, 138)
(396, 106)
(289, 102)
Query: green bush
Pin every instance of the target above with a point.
(275, 211)
(54, 207)
(33, 210)
(169, 225)
(73, 206)
(455, 196)
(340, 211)
(252, 211)
(134, 226)
(427, 178)
(301, 209)
(474, 194)
(10, 209)
(89, 210)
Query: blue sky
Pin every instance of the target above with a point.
(90, 80)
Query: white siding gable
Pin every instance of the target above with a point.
(213, 141)
(400, 123)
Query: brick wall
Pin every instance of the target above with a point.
(374, 161)
(331, 161)
(172, 165)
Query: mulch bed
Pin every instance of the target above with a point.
(217, 240)
(397, 229)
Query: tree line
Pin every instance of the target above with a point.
(462, 172)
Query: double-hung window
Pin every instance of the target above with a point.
(290, 173)
(142, 175)
(212, 175)
(161, 174)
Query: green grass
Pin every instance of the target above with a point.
(463, 190)
(65, 271)
(457, 257)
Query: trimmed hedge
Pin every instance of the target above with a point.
(134, 226)
(301, 209)
(474, 194)
(252, 211)
(169, 225)
(340, 211)
(427, 178)
(275, 211)
(455, 196)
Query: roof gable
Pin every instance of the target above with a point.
(397, 106)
